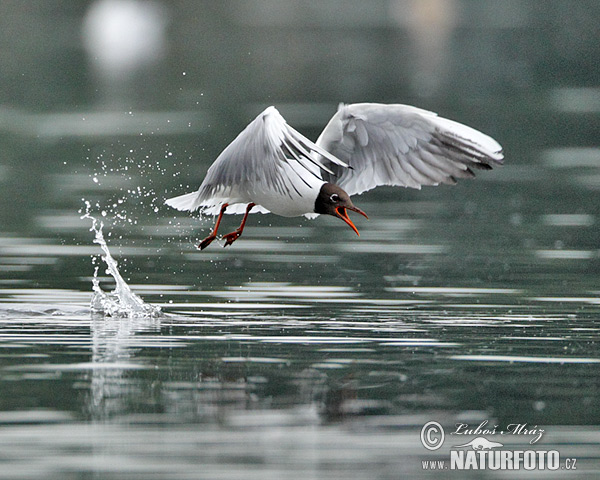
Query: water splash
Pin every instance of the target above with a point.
(122, 302)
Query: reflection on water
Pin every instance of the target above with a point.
(288, 382)
(113, 355)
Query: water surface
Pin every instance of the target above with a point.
(302, 351)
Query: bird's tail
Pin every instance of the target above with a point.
(187, 202)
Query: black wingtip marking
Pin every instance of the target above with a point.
(482, 166)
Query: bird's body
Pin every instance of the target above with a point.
(270, 167)
(300, 199)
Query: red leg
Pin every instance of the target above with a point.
(208, 240)
(233, 236)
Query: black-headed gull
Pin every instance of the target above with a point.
(270, 167)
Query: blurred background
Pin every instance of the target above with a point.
(74, 72)
(129, 101)
(218, 56)
(80, 79)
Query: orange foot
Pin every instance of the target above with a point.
(231, 237)
(206, 242)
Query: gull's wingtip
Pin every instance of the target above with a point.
(270, 110)
(499, 156)
(476, 142)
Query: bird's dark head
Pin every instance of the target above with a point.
(332, 200)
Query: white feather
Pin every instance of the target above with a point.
(281, 171)
(269, 164)
(402, 145)
(187, 202)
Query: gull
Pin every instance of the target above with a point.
(272, 168)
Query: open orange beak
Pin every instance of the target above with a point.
(341, 212)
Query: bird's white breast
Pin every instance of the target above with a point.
(301, 196)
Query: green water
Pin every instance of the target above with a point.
(302, 351)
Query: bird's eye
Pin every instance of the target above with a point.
(335, 198)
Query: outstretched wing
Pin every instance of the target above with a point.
(402, 145)
(267, 156)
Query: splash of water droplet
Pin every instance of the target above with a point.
(122, 302)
